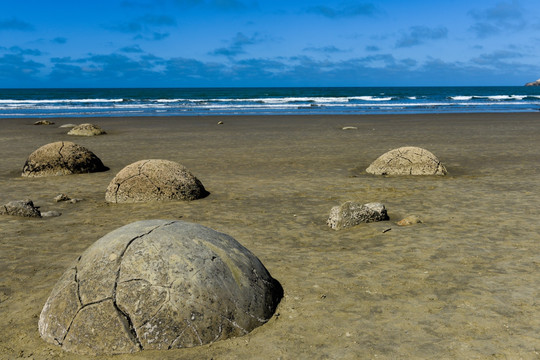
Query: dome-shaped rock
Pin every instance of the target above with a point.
(86, 130)
(154, 180)
(61, 158)
(407, 160)
(158, 284)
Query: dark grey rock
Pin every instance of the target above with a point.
(24, 208)
(158, 284)
(353, 213)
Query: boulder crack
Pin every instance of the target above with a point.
(75, 316)
(151, 182)
(81, 306)
(77, 281)
(194, 329)
(177, 338)
(132, 330)
(60, 151)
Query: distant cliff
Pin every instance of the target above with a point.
(534, 83)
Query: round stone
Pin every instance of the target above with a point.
(154, 180)
(61, 158)
(407, 160)
(86, 130)
(158, 284)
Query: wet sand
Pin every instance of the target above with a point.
(465, 284)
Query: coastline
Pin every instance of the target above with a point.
(464, 284)
(328, 101)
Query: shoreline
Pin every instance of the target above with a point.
(458, 114)
(462, 284)
(327, 101)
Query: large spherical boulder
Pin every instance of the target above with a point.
(86, 130)
(61, 158)
(158, 284)
(407, 160)
(154, 180)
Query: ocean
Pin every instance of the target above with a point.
(44, 103)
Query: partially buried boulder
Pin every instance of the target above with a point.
(407, 160)
(86, 130)
(43, 122)
(154, 180)
(24, 208)
(61, 158)
(158, 284)
(353, 213)
(409, 220)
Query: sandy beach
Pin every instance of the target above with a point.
(464, 284)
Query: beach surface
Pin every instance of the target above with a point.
(464, 284)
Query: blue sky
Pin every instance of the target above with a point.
(201, 43)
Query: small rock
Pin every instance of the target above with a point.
(409, 220)
(61, 197)
(353, 213)
(349, 128)
(220, 123)
(24, 208)
(52, 213)
(43, 122)
(407, 160)
(64, 197)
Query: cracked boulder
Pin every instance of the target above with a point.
(158, 284)
(352, 213)
(61, 158)
(154, 180)
(86, 130)
(407, 160)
